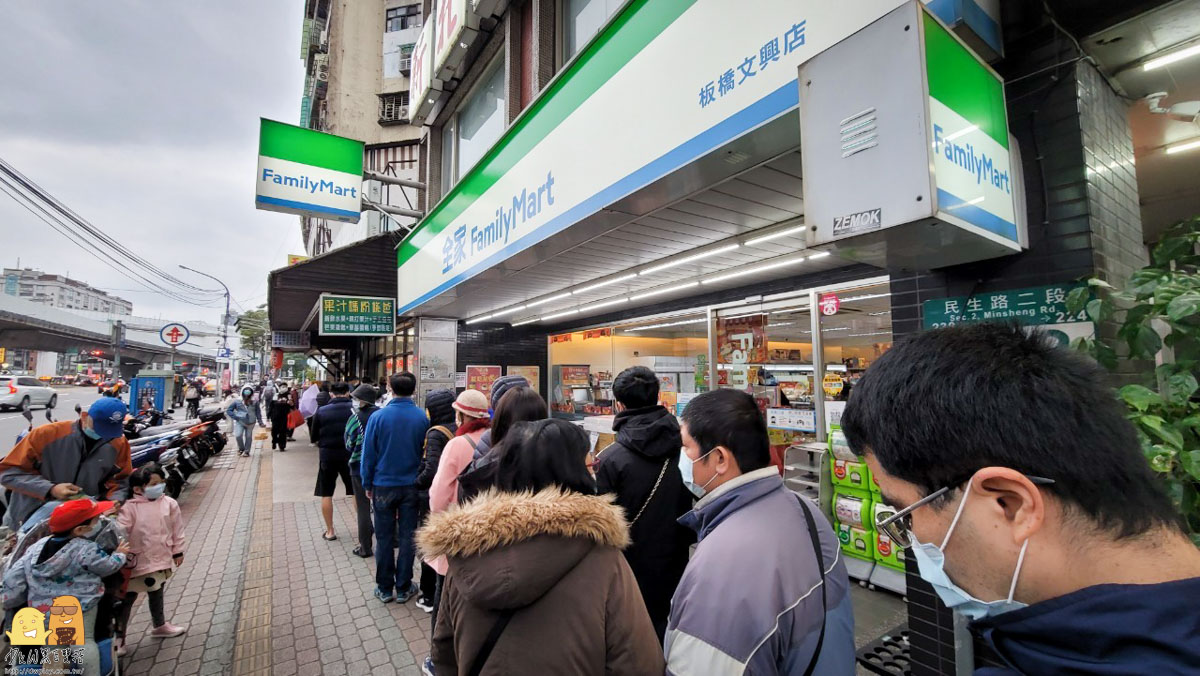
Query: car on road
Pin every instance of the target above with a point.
(25, 391)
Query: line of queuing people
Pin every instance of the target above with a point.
(549, 558)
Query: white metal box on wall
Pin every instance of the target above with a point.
(908, 163)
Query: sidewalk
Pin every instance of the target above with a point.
(262, 592)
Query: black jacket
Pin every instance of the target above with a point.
(329, 429)
(435, 442)
(648, 441)
(278, 413)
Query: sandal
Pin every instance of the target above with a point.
(328, 537)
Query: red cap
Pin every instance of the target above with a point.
(74, 512)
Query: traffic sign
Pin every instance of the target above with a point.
(224, 352)
(174, 334)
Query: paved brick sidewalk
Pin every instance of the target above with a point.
(263, 593)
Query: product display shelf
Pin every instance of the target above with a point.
(803, 473)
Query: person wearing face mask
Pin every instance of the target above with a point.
(153, 523)
(1021, 489)
(65, 459)
(766, 591)
(242, 411)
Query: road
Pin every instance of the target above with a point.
(11, 422)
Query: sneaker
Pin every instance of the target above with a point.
(386, 597)
(167, 630)
(427, 667)
(425, 604)
(404, 596)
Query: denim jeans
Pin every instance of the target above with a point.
(244, 435)
(394, 565)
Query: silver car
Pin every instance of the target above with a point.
(24, 392)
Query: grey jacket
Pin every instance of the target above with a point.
(750, 599)
(56, 453)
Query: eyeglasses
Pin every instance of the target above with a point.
(898, 525)
(63, 610)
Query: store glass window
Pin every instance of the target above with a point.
(582, 20)
(481, 120)
(856, 329)
(584, 363)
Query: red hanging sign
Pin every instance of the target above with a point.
(830, 304)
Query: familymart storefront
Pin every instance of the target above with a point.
(725, 211)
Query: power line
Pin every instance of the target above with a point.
(116, 247)
(45, 216)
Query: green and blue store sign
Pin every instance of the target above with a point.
(655, 91)
(310, 173)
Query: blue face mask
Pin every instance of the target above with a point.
(154, 492)
(931, 561)
(91, 433)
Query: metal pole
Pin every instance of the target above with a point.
(117, 353)
(394, 180)
(224, 326)
(818, 366)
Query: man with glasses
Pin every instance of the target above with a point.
(1024, 497)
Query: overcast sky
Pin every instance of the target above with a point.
(142, 116)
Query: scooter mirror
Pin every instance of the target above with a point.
(27, 414)
(78, 408)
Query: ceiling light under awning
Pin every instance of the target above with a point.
(1171, 58)
(689, 259)
(659, 292)
(1181, 147)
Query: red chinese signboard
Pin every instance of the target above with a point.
(597, 333)
(276, 359)
(481, 378)
(561, 338)
(742, 340)
(830, 304)
(575, 375)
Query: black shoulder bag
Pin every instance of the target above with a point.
(816, 543)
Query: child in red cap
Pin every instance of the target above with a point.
(66, 563)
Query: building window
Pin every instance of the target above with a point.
(393, 108)
(400, 18)
(582, 20)
(476, 127)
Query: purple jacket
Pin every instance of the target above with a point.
(750, 599)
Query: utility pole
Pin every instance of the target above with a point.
(118, 336)
(224, 330)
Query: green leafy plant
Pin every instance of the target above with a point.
(1157, 318)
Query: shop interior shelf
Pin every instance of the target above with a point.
(803, 482)
(811, 469)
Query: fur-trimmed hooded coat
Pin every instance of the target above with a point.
(555, 558)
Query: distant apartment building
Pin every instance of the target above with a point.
(62, 292)
(358, 59)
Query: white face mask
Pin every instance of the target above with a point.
(685, 468)
(154, 492)
(931, 561)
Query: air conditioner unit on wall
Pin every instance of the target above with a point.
(406, 65)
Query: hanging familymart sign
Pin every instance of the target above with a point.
(306, 172)
(581, 146)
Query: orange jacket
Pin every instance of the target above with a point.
(57, 453)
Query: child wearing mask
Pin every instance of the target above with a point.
(67, 563)
(154, 524)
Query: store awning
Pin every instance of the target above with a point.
(366, 268)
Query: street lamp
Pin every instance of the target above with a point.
(224, 327)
